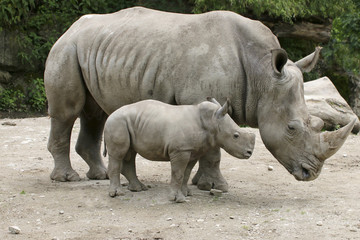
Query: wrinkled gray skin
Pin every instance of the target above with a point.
(103, 62)
(163, 132)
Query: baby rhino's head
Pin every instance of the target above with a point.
(236, 141)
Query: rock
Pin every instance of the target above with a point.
(5, 77)
(14, 229)
(324, 101)
(319, 223)
(216, 192)
(61, 212)
(10, 50)
(270, 168)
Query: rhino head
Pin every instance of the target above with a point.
(287, 129)
(236, 141)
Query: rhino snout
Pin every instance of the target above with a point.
(305, 173)
(248, 154)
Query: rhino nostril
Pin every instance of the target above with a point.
(306, 173)
(249, 152)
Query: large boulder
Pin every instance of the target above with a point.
(324, 101)
(5, 77)
(9, 49)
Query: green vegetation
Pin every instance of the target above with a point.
(285, 10)
(12, 100)
(39, 23)
(344, 47)
(15, 100)
(36, 94)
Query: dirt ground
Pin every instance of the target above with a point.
(260, 204)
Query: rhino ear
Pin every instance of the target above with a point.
(221, 112)
(213, 100)
(307, 63)
(279, 58)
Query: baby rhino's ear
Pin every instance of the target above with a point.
(213, 100)
(222, 111)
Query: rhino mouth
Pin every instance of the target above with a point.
(305, 173)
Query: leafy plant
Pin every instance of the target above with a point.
(285, 10)
(344, 48)
(36, 95)
(12, 100)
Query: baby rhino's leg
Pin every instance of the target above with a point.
(129, 171)
(114, 169)
(179, 162)
(184, 188)
(118, 143)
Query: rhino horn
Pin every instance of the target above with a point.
(330, 142)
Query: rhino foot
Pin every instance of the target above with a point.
(117, 191)
(62, 175)
(186, 191)
(137, 187)
(180, 199)
(97, 173)
(207, 183)
(177, 196)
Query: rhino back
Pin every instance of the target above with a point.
(138, 53)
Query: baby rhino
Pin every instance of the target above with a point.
(163, 132)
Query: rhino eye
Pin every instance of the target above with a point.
(236, 135)
(294, 125)
(291, 127)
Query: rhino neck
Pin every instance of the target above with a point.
(255, 85)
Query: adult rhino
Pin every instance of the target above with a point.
(103, 62)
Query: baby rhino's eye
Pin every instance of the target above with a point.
(236, 135)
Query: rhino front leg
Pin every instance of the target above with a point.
(59, 147)
(185, 189)
(208, 175)
(129, 171)
(179, 162)
(92, 120)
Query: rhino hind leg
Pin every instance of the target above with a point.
(208, 175)
(129, 171)
(66, 96)
(118, 147)
(115, 165)
(92, 120)
(59, 147)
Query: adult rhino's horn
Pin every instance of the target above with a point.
(330, 142)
